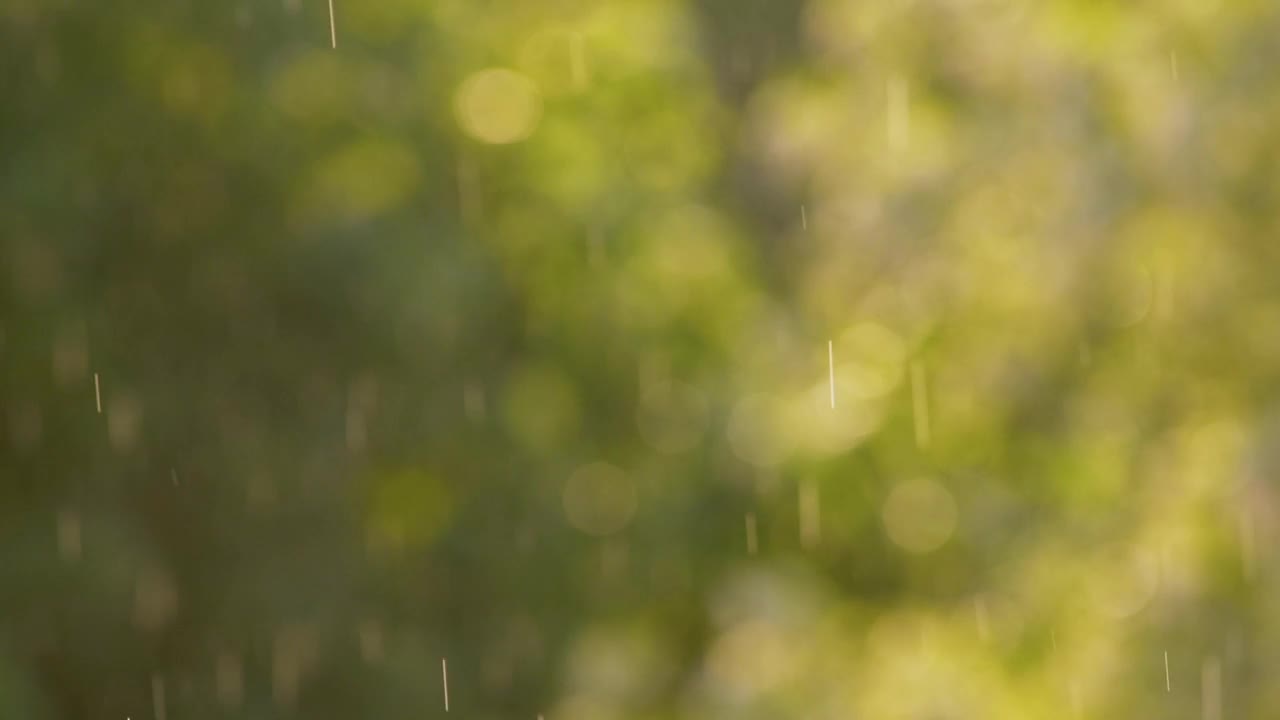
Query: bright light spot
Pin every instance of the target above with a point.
(599, 499)
(819, 428)
(498, 106)
(919, 516)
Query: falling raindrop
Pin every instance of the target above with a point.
(444, 676)
(333, 28)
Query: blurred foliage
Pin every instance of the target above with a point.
(500, 333)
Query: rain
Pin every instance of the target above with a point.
(491, 338)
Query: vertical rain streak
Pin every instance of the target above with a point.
(333, 28)
(444, 678)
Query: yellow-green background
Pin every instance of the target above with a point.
(486, 335)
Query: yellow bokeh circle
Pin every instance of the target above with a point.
(498, 106)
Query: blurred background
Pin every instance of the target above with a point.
(669, 359)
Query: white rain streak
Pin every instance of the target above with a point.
(831, 371)
(810, 512)
(920, 405)
(1211, 689)
(157, 697)
(750, 521)
(444, 676)
(1173, 65)
(333, 27)
(1168, 685)
(97, 392)
(804, 218)
(898, 116)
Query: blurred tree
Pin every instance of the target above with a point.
(641, 358)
